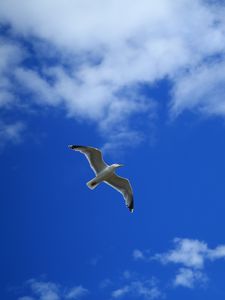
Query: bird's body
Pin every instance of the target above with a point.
(106, 173)
(103, 175)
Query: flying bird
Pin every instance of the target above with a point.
(106, 173)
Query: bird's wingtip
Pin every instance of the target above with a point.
(131, 209)
(72, 147)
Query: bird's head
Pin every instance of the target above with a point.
(117, 166)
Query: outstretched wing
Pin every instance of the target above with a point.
(93, 155)
(123, 186)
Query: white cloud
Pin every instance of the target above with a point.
(76, 292)
(191, 253)
(99, 56)
(26, 298)
(138, 254)
(202, 89)
(11, 56)
(105, 283)
(121, 292)
(146, 289)
(47, 290)
(189, 278)
(218, 252)
(128, 274)
(11, 133)
(190, 257)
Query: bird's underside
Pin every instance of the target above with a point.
(105, 173)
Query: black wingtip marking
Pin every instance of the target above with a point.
(74, 146)
(131, 207)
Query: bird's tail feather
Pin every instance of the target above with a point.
(92, 184)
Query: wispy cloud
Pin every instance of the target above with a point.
(76, 292)
(138, 254)
(147, 289)
(96, 76)
(26, 298)
(46, 290)
(11, 133)
(105, 283)
(121, 291)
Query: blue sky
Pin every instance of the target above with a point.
(145, 83)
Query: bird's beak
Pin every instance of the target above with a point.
(71, 146)
(121, 165)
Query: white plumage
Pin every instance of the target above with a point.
(106, 173)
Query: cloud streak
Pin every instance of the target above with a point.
(145, 289)
(47, 290)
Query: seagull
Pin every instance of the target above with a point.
(106, 173)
